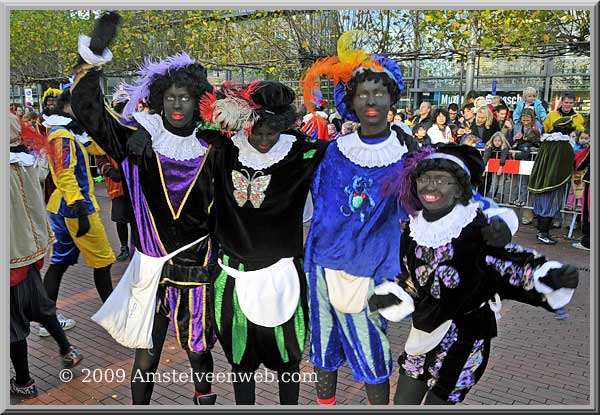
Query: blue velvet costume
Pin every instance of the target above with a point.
(357, 230)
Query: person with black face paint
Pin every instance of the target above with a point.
(454, 275)
(164, 173)
(72, 207)
(351, 250)
(263, 173)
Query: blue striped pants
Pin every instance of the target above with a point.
(359, 338)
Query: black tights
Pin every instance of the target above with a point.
(147, 360)
(55, 273)
(19, 359)
(411, 391)
(123, 233)
(53, 327)
(377, 394)
(244, 388)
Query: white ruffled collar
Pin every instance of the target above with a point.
(251, 157)
(56, 120)
(558, 137)
(382, 154)
(168, 144)
(442, 231)
(22, 159)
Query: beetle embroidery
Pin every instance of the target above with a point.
(359, 199)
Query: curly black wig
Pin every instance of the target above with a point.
(276, 122)
(369, 75)
(463, 179)
(192, 77)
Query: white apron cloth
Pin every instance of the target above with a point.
(347, 293)
(268, 297)
(128, 313)
(421, 342)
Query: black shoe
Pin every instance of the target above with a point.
(208, 399)
(124, 254)
(545, 238)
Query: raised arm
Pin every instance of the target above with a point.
(88, 102)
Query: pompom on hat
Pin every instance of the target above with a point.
(349, 62)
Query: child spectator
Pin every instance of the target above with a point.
(333, 134)
(523, 147)
(497, 147)
(583, 141)
(471, 140)
(420, 134)
(454, 131)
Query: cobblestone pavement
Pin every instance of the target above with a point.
(535, 360)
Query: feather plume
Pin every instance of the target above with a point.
(148, 73)
(207, 107)
(232, 114)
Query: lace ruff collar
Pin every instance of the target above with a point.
(251, 157)
(168, 144)
(558, 137)
(381, 154)
(56, 120)
(442, 231)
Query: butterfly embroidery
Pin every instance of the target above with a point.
(248, 188)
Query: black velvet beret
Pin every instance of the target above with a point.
(273, 96)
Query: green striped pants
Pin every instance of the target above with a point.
(247, 345)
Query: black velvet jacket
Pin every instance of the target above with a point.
(481, 271)
(260, 236)
(111, 135)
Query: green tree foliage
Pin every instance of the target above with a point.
(278, 43)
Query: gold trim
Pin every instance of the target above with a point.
(163, 280)
(204, 345)
(208, 249)
(81, 72)
(155, 229)
(115, 115)
(40, 254)
(176, 313)
(546, 189)
(190, 314)
(187, 193)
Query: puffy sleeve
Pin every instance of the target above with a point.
(519, 274)
(62, 162)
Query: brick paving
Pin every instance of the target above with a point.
(535, 360)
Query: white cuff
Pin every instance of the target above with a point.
(507, 215)
(396, 312)
(556, 298)
(83, 47)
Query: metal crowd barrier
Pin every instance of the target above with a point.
(511, 186)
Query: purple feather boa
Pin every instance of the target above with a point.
(400, 183)
(148, 73)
